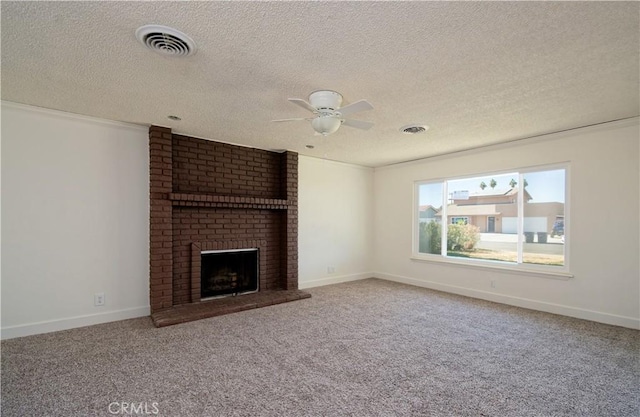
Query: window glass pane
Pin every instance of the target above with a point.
(430, 227)
(482, 218)
(544, 217)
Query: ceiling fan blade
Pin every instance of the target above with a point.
(290, 120)
(358, 124)
(360, 105)
(300, 102)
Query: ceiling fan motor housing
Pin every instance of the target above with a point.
(325, 99)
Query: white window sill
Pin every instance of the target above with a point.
(495, 266)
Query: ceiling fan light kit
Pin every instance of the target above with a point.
(326, 125)
(329, 116)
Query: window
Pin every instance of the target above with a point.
(515, 218)
(430, 228)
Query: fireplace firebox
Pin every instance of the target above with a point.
(228, 272)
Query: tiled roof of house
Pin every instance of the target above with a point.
(472, 210)
(495, 192)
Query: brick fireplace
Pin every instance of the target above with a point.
(206, 196)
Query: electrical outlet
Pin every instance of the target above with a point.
(98, 299)
(493, 283)
(330, 270)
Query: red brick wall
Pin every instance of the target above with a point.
(161, 253)
(206, 167)
(195, 224)
(204, 191)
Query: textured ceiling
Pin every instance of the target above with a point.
(476, 72)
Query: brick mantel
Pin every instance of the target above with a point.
(205, 193)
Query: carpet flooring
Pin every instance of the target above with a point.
(366, 348)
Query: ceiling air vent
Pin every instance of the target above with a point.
(166, 40)
(413, 129)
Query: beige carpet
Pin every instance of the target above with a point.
(368, 348)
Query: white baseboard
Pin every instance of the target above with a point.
(302, 284)
(48, 326)
(11, 332)
(579, 313)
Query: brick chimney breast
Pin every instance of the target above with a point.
(206, 195)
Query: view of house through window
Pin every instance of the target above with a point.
(514, 217)
(430, 227)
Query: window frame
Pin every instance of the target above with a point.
(548, 271)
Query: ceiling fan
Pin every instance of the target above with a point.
(329, 116)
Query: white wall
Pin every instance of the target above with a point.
(335, 225)
(604, 219)
(75, 220)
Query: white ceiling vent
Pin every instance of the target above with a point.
(166, 40)
(414, 129)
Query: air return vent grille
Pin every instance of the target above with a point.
(414, 129)
(166, 40)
